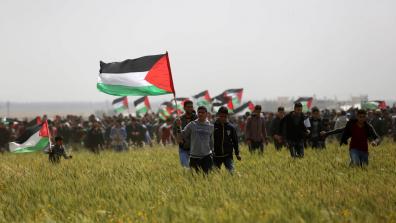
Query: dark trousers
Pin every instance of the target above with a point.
(256, 146)
(204, 163)
(278, 146)
(227, 161)
(296, 149)
(317, 143)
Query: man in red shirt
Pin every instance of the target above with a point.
(360, 132)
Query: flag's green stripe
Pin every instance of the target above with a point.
(141, 111)
(120, 109)
(42, 143)
(119, 90)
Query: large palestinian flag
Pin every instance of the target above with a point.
(306, 103)
(35, 138)
(243, 109)
(203, 99)
(120, 104)
(148, 75)
(235, 95)
(142, 106)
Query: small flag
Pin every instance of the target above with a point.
(35, 138)
(373, 105)
(179, 105)
(306, 103)
(120, 104)
(165, 110)
(243, 109)
(203, 99)
(142, 106)
(148, 75)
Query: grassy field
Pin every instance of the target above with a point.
(148, 185)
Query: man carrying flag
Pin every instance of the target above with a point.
(184, 145)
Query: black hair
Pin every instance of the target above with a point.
(257, 107)
(281, 109)
(298, 105)
(315, 109)
(187, 102)
(222, 110)
(58, 138)
(202, 108)
(362, 112)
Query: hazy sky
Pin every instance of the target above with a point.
(50, 49)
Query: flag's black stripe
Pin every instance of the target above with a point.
(117, 100)
(301, 99)
(241, 108)
(233, 90)
(203, 93)
(28, 133)
(139, 101)
(132, 65)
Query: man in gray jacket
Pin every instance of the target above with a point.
(199, 134)
(255, 132)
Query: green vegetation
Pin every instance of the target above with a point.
(148, 185)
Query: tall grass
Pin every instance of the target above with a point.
(148, 185)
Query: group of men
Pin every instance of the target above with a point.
(203, 145)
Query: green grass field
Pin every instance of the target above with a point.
(148, 185)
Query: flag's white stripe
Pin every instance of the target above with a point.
(118, 105)
(140, 106)
(32, 141)
(135, 79)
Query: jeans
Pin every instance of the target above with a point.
(204, 163)
(227, 161)
(184, 157)
(296, 149)
(358, 157)
(254, 146)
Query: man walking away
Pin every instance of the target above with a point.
(315, 139)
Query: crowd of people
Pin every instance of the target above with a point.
(205, 140)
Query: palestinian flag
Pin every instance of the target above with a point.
(235, 95)
(179, 104)
(142, 106)
(120, 104)
(148, 75)
(243, 109)
(165, 110)
(306, 103)
(203, 99)
(222, 100)
(35, 138)
(373, 105)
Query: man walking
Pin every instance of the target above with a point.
(225, 141)
(255, 131)
(276, 128)
(184, 146)
(360, 132)
(294, 131)
(200, 135)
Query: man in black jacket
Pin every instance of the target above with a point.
(294, 131)
(225, 141)
(315, 139)
(360, 132)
